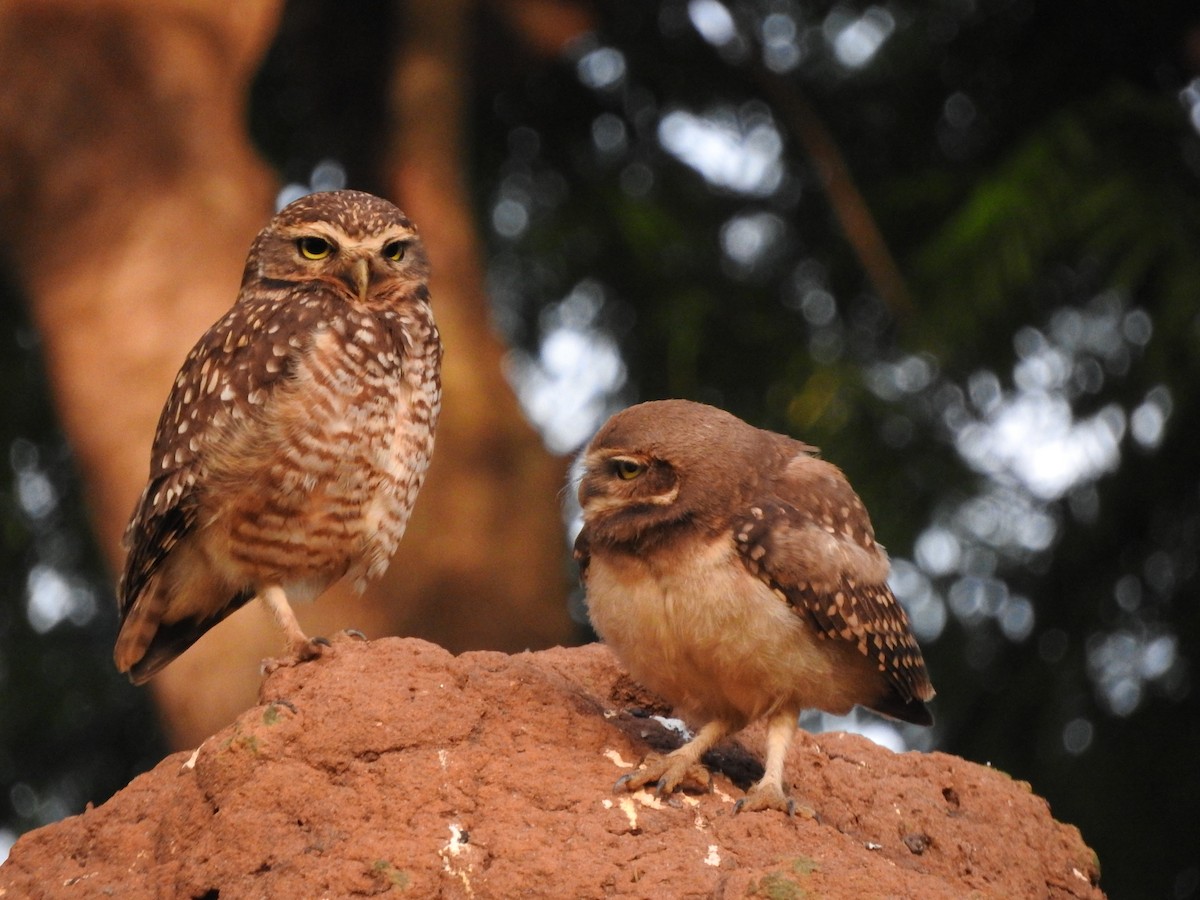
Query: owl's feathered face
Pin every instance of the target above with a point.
(669, 463)
(366, 250)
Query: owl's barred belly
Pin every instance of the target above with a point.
(316, 479)
(403, 466)
(317, 512)
(709, 637)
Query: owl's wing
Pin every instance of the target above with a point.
(154, 530)
(246, 353)
(151, 536)
(810, 540)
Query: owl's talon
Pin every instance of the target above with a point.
(619, 785)
(666, 774)
(771, 796)
(310, 649)
(355, 634)
(303, 650)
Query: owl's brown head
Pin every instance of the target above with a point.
(672, 463)
(359, 244)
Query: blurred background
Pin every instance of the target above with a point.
(955, 244)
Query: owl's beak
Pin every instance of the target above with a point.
(362, 277)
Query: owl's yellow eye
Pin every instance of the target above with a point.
(395, 250)
(627, 469)
(314, 247)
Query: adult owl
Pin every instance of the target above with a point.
(737, 575)
(296, 436)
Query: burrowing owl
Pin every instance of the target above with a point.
(738, 576)
(296, 436)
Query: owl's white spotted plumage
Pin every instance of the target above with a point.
(296, 436)
(738, 576)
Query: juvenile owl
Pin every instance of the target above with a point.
(296, 436)
(737, 575)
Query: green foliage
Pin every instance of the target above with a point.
(1102, 181)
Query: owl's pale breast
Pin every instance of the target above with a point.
(712, 639)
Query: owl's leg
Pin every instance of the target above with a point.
(678, 766)
(297, 643)
(767, 792)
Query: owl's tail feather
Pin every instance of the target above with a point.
(145, 644)
(138, 628)
(894, 706)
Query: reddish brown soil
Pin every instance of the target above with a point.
(394, 767)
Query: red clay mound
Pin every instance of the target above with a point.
(396, 767)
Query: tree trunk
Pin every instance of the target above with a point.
(486, 548)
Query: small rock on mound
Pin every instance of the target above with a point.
(396, 767)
